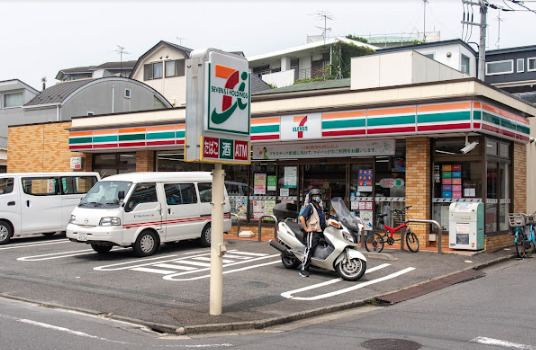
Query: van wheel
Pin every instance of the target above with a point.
(5, 232)
(205, 238)
(101, 248)
(146, 244)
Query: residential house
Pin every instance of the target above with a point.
(455, 53)
(120, 69)
(285, 67)
(13, 95)
(514, 70)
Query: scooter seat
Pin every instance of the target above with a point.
(296, 228)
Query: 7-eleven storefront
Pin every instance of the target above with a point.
(373, 148)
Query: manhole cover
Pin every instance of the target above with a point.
(390, 344)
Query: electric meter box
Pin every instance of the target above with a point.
(466, 226)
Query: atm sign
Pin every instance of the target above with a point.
(225, 150)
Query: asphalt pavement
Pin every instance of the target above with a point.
(169, 292)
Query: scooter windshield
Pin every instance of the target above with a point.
(344, 215)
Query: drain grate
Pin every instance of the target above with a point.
(428, 287)
(390, 344)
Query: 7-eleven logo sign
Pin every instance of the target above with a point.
(304, 126)
(229, 98)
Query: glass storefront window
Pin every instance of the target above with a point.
(454, 181)
(491, 199)
(390, 183)
(288, 183)
(107, 164)
(504, 202)
(264, 182)
(328, 178)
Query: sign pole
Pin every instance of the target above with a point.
(217, 249)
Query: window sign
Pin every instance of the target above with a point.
(259, 184)
(364, 180)
(365, 148)
(272, 182)
(291, 177)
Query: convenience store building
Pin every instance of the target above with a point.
(381, 143)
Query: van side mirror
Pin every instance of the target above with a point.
(121, 195)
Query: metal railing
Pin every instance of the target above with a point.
(260, 226)
(424, 221)
(237, 223)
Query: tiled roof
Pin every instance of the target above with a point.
(258, 85)
(58, 93)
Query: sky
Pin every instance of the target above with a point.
(39, 38)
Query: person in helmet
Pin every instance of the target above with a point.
(313, 221)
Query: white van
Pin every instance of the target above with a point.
(40, 203)
(142, 210)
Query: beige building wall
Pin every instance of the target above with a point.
(42, 148)
(174, 88)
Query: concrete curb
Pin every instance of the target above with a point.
(257, 324)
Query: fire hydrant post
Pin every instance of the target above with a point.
(217, 249)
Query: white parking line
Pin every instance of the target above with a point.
(60, 255)
(225, 272)
(504, 344)
(26, 245)
(290, 294)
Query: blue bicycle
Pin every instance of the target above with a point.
(522, 228)
(530, 235)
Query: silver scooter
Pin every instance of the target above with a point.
(337, 252)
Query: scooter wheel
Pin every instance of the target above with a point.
(351, 269)
(290, 262)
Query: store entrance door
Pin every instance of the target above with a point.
(329, 178)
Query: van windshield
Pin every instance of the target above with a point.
(105, 194)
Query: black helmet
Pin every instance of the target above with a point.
(314, 192)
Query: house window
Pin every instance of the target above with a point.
(520, 65)
(465, 64)
(500, 67)
(13, 100)
(152, 71)
(175, 68)
(127, 93)
(531, 64)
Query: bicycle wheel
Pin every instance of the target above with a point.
(374, 243)
(520, 244)
(412, 242)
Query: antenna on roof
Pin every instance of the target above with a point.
(179, 39)
(121, 50)
(325, 16)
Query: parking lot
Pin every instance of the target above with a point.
(172, 286)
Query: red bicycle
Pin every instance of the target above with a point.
(374, 242)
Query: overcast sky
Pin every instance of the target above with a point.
(41, 37)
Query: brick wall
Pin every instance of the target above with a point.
(418, 184)
(42, 148)
(144, 161)
(520, 177)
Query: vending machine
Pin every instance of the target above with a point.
(466, 226)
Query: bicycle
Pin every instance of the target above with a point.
(375, 242)
(519, 223)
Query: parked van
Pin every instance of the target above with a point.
(33, 203)
(143, 210)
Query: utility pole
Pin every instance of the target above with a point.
(499, 20)
(483, 4)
